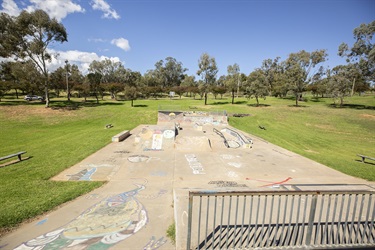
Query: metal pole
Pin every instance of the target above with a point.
(66, 78)
(190, 219)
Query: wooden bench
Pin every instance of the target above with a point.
(121, 136)
(366, 157)
(13, 155)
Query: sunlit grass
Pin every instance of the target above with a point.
(61, 136)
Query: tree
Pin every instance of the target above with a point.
(24, 76)
(76, 77)
(109, 70)
(362, 53)
(169, 73)
(131, 93)
(298, 68)
(232, 81)
(83, 89)
(270, 70)
(28, 36)
(5, 86)
(207, 70)
(58, 80)
(93, 79)
(339, 83)
(189, 82)
(257, 85)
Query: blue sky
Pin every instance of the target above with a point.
(141, 32)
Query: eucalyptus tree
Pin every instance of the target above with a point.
(109, 70)
(270, 69)
(232, 81)
(93, 80)
(298, 68)
(219, 88)
(257, 85)
(207, 71)
(189, 83)
(169, 73)
(28, 37)
(362, 53)
(6, 79)
(24, 76)
(58, 80)
(340, 85)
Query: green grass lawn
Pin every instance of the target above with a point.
(58, 137)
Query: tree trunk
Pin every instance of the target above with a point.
(205, 98)
(232, 96)
(46, 94)
(132, 103)
(351, 94)
(256, 98)
(97, 98)
(297, 96)
(341, 101)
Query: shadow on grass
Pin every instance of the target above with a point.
(219, 103)
(61, 105)
(317, 99)
(352, 106)
(299, 106)
(140, 106)
(240, 102)
(366, 162)
(260, 105)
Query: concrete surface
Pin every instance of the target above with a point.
(149, 176)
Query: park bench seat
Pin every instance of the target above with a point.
(366, 157)
(13, 155)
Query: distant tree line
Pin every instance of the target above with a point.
(26, 39)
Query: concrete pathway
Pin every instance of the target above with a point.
(147, 189)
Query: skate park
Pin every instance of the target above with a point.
(150, 173)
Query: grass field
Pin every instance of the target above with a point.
(58, 137)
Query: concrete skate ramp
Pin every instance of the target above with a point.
(193, 143)
(155, 138)
(218, 118)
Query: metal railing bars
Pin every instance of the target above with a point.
(287, 219)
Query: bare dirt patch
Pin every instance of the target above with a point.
(368, 116)
(22, 112)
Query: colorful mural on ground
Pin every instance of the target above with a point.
(105, 224)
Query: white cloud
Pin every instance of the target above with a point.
(122, 43)
(80, 58)
(10, 7)
(55, 8)
(106, 8)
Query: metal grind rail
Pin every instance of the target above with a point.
(281, 219)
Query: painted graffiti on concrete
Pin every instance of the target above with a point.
(194, 164)
(100, 227)
(138, 158)
(83, 175)
(226, 184)
(154, 244)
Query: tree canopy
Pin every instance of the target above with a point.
(28, 36)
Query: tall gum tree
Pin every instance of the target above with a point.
(298, 69)
(362, 53)
(28, 36)
(207, 71)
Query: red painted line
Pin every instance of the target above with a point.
(276, 183)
